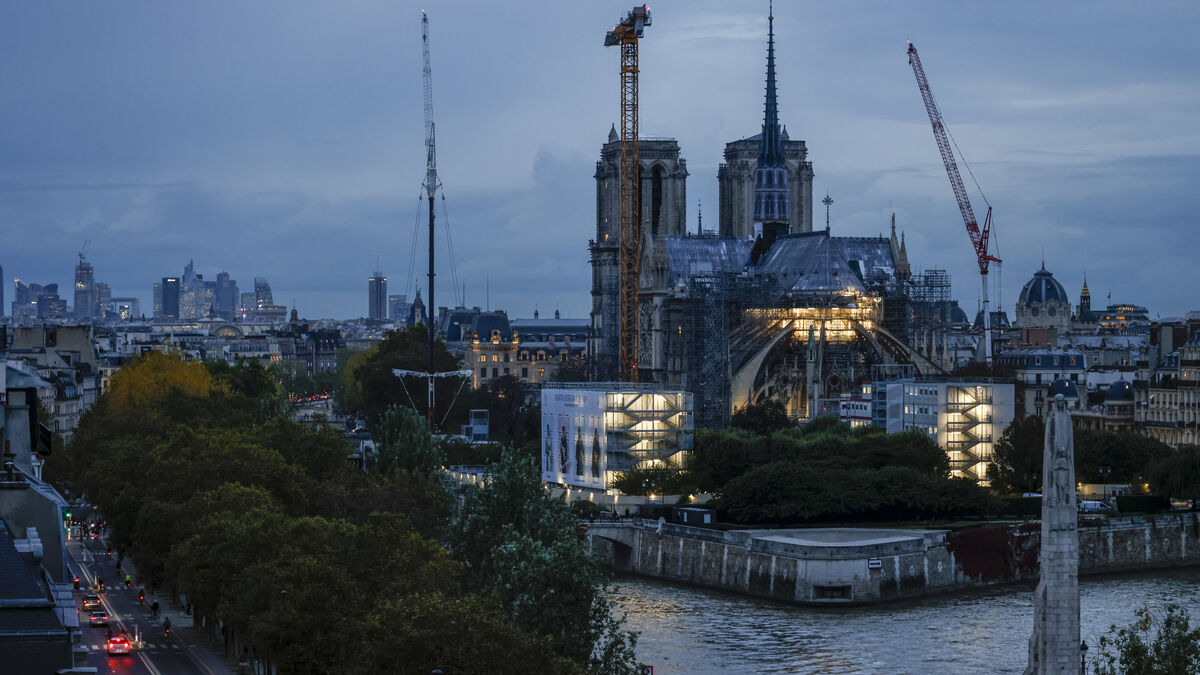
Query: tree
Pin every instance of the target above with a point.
(763, 418)
(1108, 457)
(371, 387)
(1157, 643)
(403, 442)
(517, 542)
(1177, 474)
(1017, 459)
(655, 481)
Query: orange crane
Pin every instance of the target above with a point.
(979, 238)
(626, 35)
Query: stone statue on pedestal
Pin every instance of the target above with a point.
(1054, 645)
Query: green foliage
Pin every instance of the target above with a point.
(1157, 643)
(1017, 458)
(1107, 457)
(266, 526)
(371, 387)
(403, 442)
(791, 492)
(458, 451)
(1177, 474)
(1128, 504)
(763, 418)
(655, 481)
(515, 411)
(515, 542)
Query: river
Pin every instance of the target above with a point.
(691, 630)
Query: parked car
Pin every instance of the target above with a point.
(1091, 506)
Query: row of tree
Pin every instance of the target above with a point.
(1100, 457)
(318, 565)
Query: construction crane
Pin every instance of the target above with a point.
(83, 250)
(626, 35)
(979, 237)
(431, 186)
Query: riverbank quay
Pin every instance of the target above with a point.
(862, 566)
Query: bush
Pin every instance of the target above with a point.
(1021, 507)
(1143, 504)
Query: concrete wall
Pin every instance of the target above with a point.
(742, 562)
(746, 562)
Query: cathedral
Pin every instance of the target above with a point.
(765, 307)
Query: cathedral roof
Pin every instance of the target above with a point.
(817, 262)
(1043, 287)
(612, 134)
(688, 256)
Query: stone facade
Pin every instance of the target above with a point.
(663, 211)
(735, 180)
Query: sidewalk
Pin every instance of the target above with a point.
(205, 652)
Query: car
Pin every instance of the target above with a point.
(1089, 506)
(91, 601)
(98, 618)
(118, 644)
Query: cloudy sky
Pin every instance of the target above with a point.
(284, 139)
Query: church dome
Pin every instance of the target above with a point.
(1065, 387)
(1119, 391)
(1043, 287)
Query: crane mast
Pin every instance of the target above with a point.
(979, 238)
(625, 35)
(431, 186)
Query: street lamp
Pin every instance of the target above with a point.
(1083, 656)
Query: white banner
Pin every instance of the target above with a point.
(573, 437)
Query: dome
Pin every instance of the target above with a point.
(1043, 287)
(1065, 387)
(1119, 391)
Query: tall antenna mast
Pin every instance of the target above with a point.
(431, 187)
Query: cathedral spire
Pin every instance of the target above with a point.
(770, 150)
(771, 207)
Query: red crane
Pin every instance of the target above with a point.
(979, 238)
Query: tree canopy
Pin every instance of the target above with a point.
(264, 524)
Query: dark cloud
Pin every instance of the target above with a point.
(285, 140)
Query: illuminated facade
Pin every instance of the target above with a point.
(592, 431)
(965, 418)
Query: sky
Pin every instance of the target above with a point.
(285, 139)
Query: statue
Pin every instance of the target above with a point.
(1054, 644)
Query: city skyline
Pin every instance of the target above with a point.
(299, 158)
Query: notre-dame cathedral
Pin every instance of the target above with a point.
(663, 213)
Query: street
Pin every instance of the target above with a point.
(156, 653)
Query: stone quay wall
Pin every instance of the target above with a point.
(869, 566)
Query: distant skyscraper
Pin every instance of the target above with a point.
(248, 301)
(377, 297)
(227, 295)
(170, 297)
(262, 293)
(85, 291)
(157, 299)
(103, 297)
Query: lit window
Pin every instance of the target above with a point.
(495, 358)
(541, 372)
(482, 358)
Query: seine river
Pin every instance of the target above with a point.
(689, 630)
